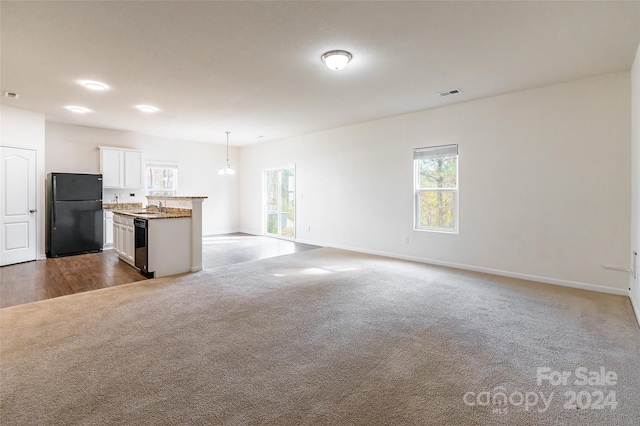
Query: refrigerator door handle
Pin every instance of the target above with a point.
(53, 204)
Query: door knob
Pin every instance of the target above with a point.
(32, 211)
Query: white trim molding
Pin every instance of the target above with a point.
(635, 304)
(528, 277)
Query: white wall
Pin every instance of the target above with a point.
(538, 195)
(635, 197)
(74, 149)
(25, 129)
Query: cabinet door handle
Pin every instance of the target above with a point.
(32, 211)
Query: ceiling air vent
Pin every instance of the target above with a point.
(11, 95)
(450, 92)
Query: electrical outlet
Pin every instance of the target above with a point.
(406, 240)
(309, 229)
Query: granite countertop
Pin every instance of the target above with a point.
(122, 206)
(184, 197)
(170, 213)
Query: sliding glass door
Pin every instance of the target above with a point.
(280, 197)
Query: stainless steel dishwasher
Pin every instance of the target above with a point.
(141, 246)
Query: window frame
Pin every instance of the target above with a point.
(157, 165)
(417, 190)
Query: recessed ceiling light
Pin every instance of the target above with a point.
(95, 85)
(147, 108)
(78, 109)
(336, 59)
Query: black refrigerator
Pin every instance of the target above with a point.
(74, 214)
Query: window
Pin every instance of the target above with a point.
(162, 178)
(436, 188)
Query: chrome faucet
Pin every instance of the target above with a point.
(160, 206)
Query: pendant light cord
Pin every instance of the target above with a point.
(229, 170)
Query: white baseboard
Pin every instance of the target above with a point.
(228, 231)
(636, 306)
(197, 269)
(246, 231)
(546, 280)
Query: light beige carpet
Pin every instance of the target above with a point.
(320, 337)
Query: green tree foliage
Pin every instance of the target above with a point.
(439, 172)
(272, 202)
(283, 190)
(287, 200)
(437, 208)
(161, 181)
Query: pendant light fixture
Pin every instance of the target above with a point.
(228, 170)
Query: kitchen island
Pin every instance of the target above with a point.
(161, 240)
(195, 204)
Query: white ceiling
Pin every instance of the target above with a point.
(254, 68)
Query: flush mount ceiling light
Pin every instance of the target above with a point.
(94, 85)
(78, 109)
(336, 59)
(147, 108)
(227, 170)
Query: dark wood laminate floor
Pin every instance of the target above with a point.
(44, 279)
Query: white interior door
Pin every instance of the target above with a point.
(18, 208)
(280, 197)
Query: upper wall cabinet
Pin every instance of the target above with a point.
(121, 168)
(112, 167)
(133, 171)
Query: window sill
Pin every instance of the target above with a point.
(438, 231)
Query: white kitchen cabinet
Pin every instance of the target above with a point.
(112, 167)
(108, 228)
(123, 237)
(121, 168)
(118, 236)
(133, 172)
(117, 245)
(130, 251)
